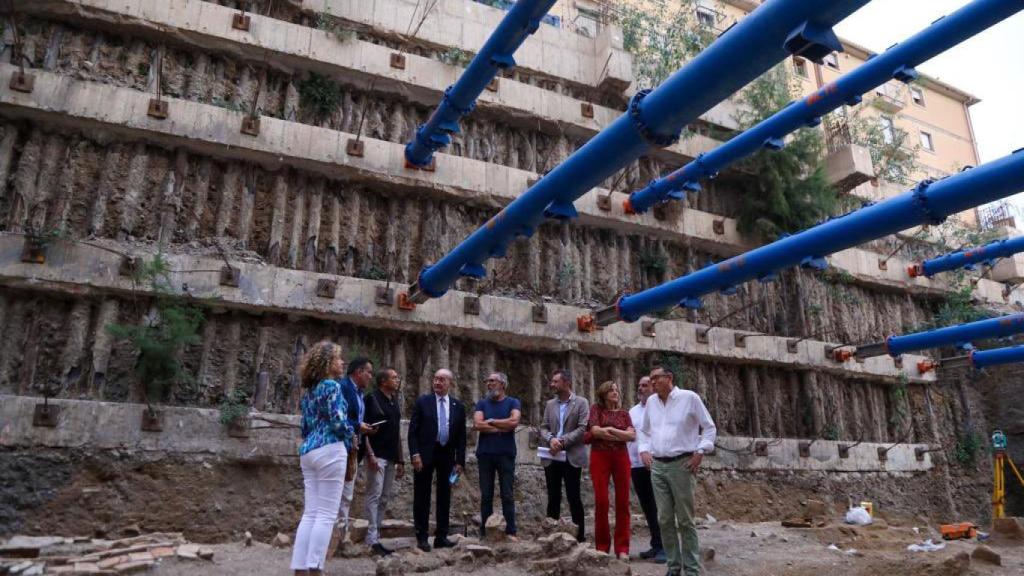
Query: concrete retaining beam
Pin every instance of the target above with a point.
(186, 430)
(83, 269)
(291, 46)
(215, 131)
(466, 25)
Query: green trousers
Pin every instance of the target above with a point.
(673, 493)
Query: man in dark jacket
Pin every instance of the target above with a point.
(437, 445)
(383, 452)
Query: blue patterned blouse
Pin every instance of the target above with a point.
(324, 419)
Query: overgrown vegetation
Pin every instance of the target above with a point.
(319, 95)
(957, 307)
(661, 40)
(456, 57)
(234, 407)
(831, 432)
(161, 336)
(334, 27)
(653, 262)
(968, 445)
(790, 191)
(673, 363)
(898, 404)
(893, 157)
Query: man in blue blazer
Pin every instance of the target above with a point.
(437, 445)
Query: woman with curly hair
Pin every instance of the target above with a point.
(326, 436)
(609, 428)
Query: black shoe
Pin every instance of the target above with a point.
(380, 550)
(648, 554)
(423, 545)
(443, 543)
(580, 537)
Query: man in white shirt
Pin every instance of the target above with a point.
(641, 476)
(675, 433)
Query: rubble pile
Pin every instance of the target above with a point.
(32, 555)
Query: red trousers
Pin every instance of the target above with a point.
(612, 465)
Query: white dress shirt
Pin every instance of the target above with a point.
(636, 414)
(681, 424)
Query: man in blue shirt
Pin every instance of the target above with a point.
(353, 386)
(496, 418)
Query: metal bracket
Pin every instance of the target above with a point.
(22, 82)
(158, 108)
(471, 305)
(647, 328)
(432, 166)
(397, 61)
(354, 147)
(45, 415)
(539, 313)
(251, 125)
(129, 266)
(844, 450)
(230, 276)
(587, 109)
(883, 454)
(384, 296)
(326, 287)
(241, 21)
(739, 340)
(33, 251)
(152, 421)
(718, 226)
(812, 41)
(604, 202)
(586, 323)
(791, 346)
(406, 303)
(761, 448)
(805, 449)
(492, 86)
(919, 453)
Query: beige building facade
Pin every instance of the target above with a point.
(934, 115)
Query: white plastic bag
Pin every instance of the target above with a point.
(858, 515)
(926, 546)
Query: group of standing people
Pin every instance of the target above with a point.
(657, 446)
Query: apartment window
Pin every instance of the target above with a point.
(917, 95)
(706, 17)
(888, 132)
(926, 141)
(800, 67)
(832, 61)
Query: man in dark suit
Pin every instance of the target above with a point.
(437, 444)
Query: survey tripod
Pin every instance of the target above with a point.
(1001, 458)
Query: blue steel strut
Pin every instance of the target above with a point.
(897, 62)
(950, 336)
(979, 359)
(460, 98)
(654, 118)
(928, 203)
(986, 254)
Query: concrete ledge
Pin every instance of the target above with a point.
(466, 25)
(207, 129)
(211, 130)
(290, 46)
(83, 269)
(117, 426)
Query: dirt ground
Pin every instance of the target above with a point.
(741, 549)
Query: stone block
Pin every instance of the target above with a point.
(985, 554)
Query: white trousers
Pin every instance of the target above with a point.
(378, 492)
(323, 473)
